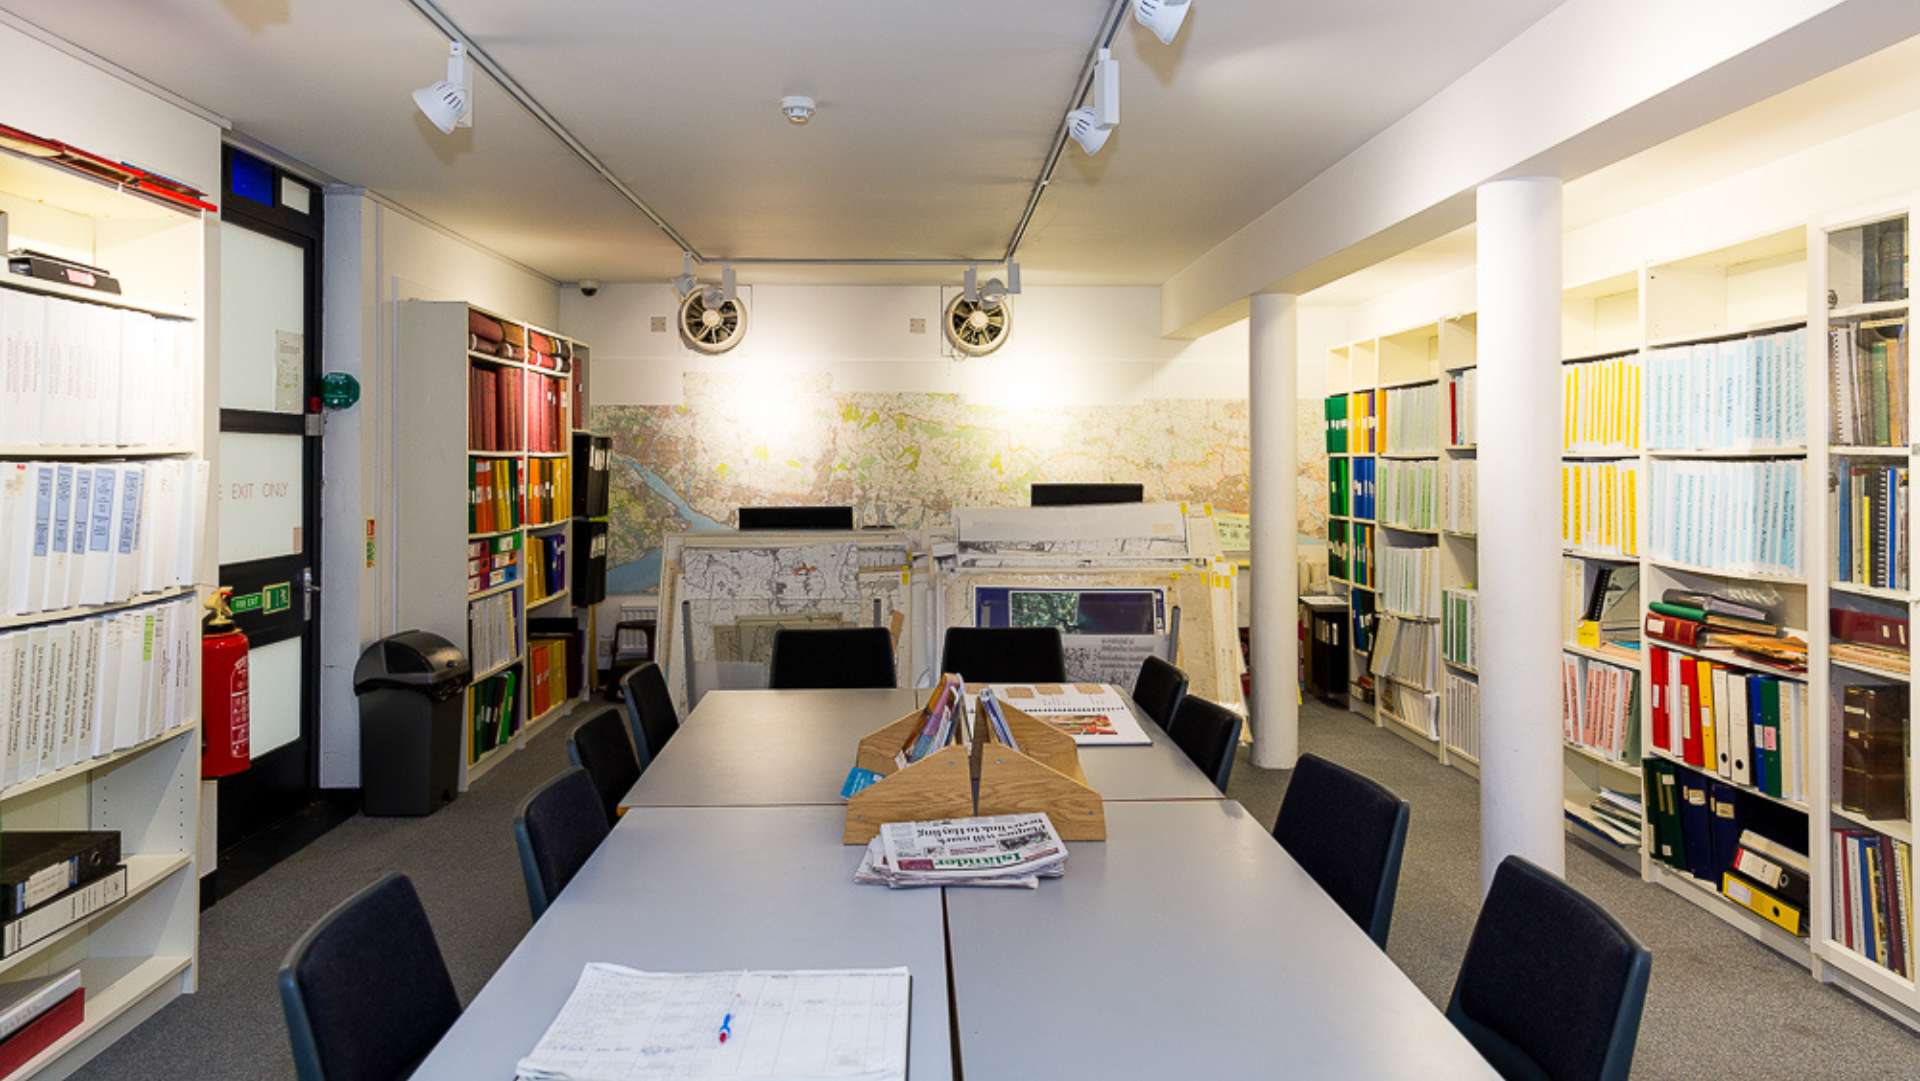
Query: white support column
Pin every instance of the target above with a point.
(1519, 413)
(1273, 408)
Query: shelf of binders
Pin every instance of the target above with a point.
(1792, 804)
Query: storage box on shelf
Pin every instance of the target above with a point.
(126, 429)
(510, 460)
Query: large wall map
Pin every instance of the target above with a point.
(907, 459)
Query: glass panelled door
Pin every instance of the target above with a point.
(269, 453)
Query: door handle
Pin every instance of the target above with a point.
(307, 590)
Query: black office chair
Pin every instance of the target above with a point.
(366, 992)
(1348, 833)
(556, 829)
(600, 746)
(650, 712)
(1005, 654)
(1209, 733)
(1159, 689)
(1552, 987)
(831, 658)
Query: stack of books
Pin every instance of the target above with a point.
(1869, 640)
(1621, 811)
(1745, 620)
(1873, 752)
(52, 879)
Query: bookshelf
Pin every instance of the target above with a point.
(139, 952)
(485, 500)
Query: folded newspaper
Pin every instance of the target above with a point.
(1003, 850)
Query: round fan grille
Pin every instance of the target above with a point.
(712, 330)
(976, 329)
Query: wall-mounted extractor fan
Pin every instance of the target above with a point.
(713, 329)
(978, 327)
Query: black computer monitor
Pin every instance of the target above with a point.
(1081, 495)
(796, 518)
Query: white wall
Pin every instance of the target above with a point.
(377, 256)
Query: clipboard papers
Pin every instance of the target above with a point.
(622, 1024)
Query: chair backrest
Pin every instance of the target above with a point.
(1348, 832)
(1005, 654)
(1159, 689)
(1209, 733)
(600, 745)
(650, 712)
(1552, 986)
(556, 829)
(365, 991)
(830, 658)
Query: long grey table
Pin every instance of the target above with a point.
(1187, 945)
(698, 889)
(793, 748)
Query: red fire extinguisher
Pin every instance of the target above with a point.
(224, 744)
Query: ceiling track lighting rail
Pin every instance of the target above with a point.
(1102, 42)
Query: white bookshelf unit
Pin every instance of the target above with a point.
(139, 952)
(440, 524)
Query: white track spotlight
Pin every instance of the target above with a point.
(970, 285)
(1163, 17)
(1106, 90)
(449, 102)
(684, 284)
(1085, 131)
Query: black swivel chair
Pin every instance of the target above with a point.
(831, 658)
(1005, 654)
(1552, 987)
(556, 829)
(1159, 689)
(366, 992)
(650, 712)
(1209, 733)
(600, 746)
(1348, 832)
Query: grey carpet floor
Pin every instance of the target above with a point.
(1720, 1004)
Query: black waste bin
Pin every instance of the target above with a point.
(409, 686)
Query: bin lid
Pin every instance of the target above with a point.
(418, 659)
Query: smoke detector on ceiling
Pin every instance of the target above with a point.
(798, 108)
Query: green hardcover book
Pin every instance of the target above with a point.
(1678, 611)
(1663, 809)
(509, 705)
(1769, 752)
(1877, 372)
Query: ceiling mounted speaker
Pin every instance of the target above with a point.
(976, 329)
(714, 329)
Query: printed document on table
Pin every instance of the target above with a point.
(1092, 713)
(622, 1024)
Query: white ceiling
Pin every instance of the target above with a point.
(934, 118)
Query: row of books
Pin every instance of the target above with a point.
(73, 533)
(493, 713)
(1419, 710)
(1874, 752)
(1410, 580)
(1727, 516)
(1462, 430)
(1412, 417)
(1334, 410)
(1363, 423)
(546, 565)
(493, 502)
(1403, 651)
(1747, 728)
(495, 404)
(1461, 513)
(1620, 812)
(1350, 552)
(549, 490)
(80, 688)
(492, 562)
(1867, 639)
(1409, 493)
(1867, 523)
(1600, 707)
(1340, 487)
(546, 674)
(1873, 898)
(1462, 701)
(54, 879)
(1701, 827)
(1460, 627)
(941, 720)
(493, 630)
(1867, 383)
(1600, 405)
(87, 374)
(547, 429)
(1600, 507)
(1350, 487)
(35, 1013)
(1747, 392)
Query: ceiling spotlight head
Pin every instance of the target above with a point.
(449, 102)
(1085, 129)
(1163, 17)
(798, 108)
(993, 293)
(713, 297)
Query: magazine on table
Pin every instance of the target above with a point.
(1002, 850)
(1092, 713)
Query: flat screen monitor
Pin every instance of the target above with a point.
(1081, 495)
(796, 518)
